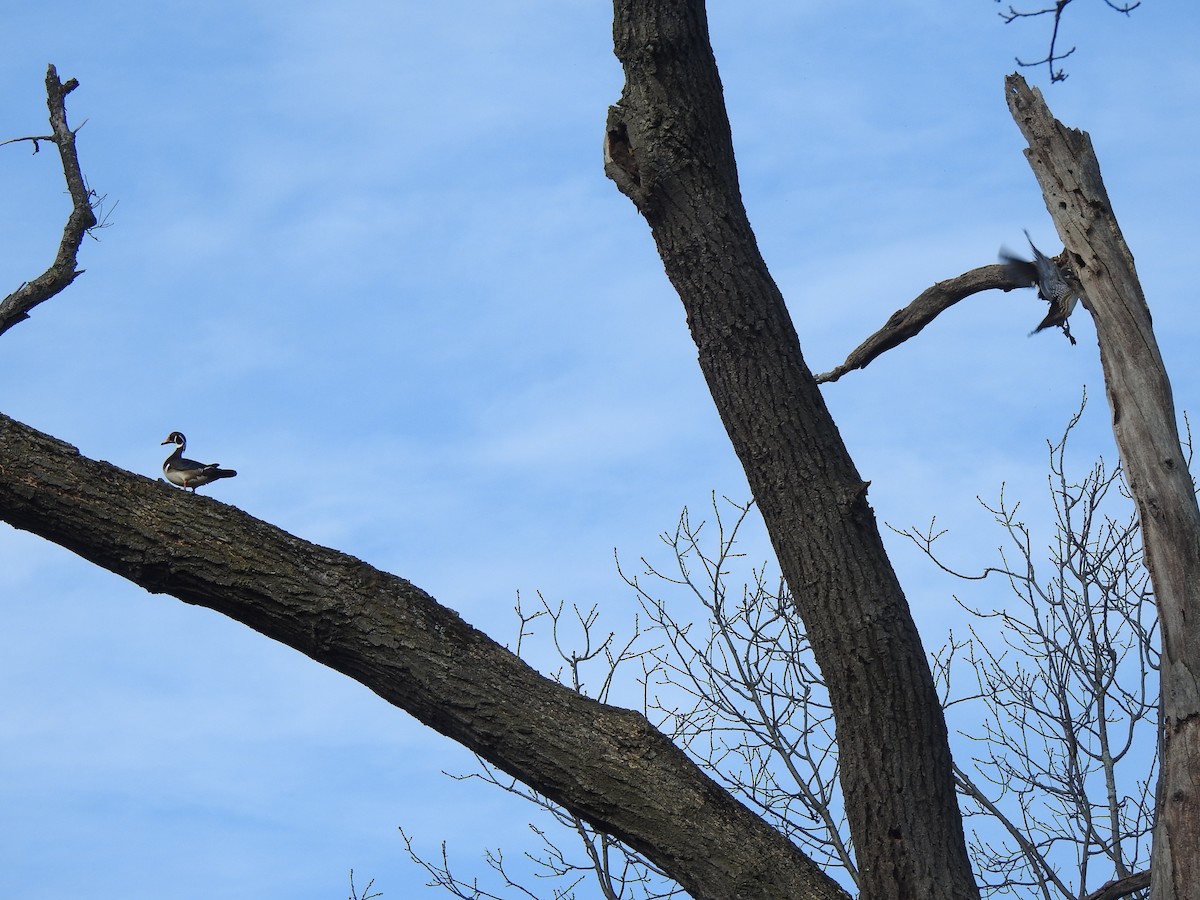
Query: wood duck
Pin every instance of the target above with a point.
(187, 473)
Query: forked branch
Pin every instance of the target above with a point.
(1057, 9)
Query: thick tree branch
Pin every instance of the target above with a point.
(1121, 887)
(908, 322)
(607, 765)
(668, 148)
(16, 306)
(1143, 410)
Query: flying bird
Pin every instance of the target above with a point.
(1056, 287)
(187, 473)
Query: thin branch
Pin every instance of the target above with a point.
(924, 541)
(37, 139)
(909, 321)
(16, 306)
(1057, 10)
(366, 894)
(1046, 874)
(442, 876)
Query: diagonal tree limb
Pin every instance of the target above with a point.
(16, 306)
(1144, 423)
(908, 322)
(607, 765)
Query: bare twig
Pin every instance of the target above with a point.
(1057, 10)
(366, 894)
(442, 875)
(16, 306)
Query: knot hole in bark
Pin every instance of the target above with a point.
(620, 163)
(855, 498)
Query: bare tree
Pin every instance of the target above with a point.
(1066, 675)
(669, 149)
(1054, 694)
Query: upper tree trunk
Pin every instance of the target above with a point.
(669, 149)
(1143, 411)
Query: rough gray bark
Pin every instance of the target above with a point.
(608, 765)
(669, 149)
(1143, 411)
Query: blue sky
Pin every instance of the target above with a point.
(365, 254)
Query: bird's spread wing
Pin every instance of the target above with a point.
(1019, 270)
